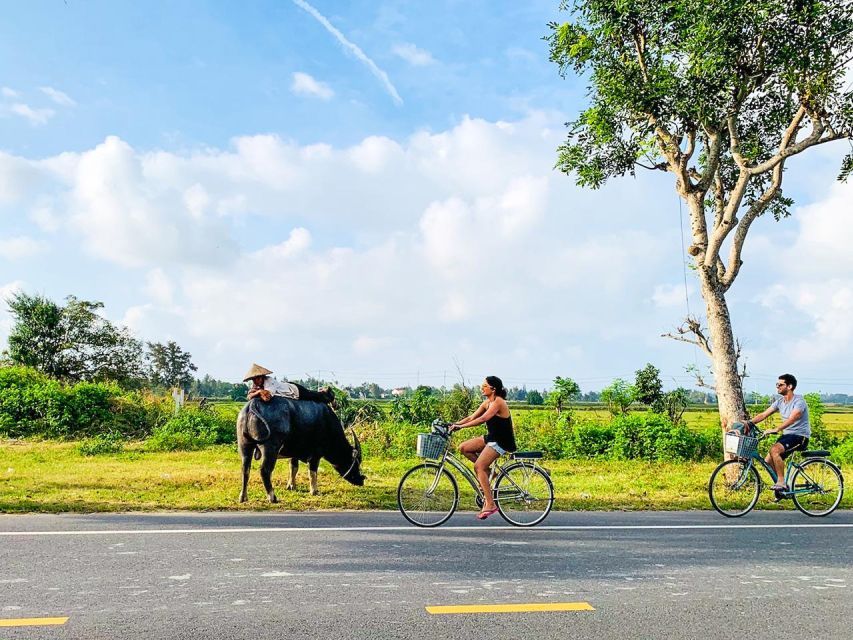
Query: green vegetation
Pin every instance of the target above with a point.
(91, 446)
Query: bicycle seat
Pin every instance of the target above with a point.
(527, 455)
(816, 453)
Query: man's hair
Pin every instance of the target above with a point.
(788, 379)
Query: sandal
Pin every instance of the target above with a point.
(779, 487)
(485, 514)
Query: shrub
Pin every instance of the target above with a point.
(389, 439)
(457, 404)
(590, 440)
(820, 438)
(35, 406)
(654, 437)
(843, 452)
(102, 444)
(192, 429)
(420, 408)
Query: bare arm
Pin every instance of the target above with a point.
(764, 415)
(484, 413)
(795, 415)
(465, 421)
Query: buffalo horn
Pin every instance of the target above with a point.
(357, 444)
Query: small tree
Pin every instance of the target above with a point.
(169, 365)
(565, 390)
(618, 396)
(648, 388)
(674, 403)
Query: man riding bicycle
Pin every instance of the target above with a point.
(795, 427)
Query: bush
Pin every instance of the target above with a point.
(843, 452)
(192, 429)
(820, 438)
(35, 406)
(389, 439)
(457, 404)
(590, 440)
(654, 437)
(421, 408)
(103, 444)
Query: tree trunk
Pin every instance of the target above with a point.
(727, 381)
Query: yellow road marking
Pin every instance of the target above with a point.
(512, 608)
(30, 622)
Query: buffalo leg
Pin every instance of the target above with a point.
(269, 455)
(313, 463)
(294, 467)
(246, 451)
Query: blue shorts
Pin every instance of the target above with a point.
(496, 447)
(792, 443)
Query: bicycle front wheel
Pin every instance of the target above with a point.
(817, 487)
(734, 487)
(524, 494)
(427, 495)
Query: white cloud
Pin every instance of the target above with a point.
(413, 55)
(673, 295)
(34, 116)
(59, 97)
(159, 287)
(9, 93)
(367, 345)
(305, 85)
(19, 247)
(458, 243)
(352, 48)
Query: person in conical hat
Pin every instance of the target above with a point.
(265, 387)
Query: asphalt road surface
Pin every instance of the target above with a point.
(371, 575)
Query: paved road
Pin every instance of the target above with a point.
(370, 575)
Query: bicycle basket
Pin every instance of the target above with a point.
(741, 446)
(431, 446)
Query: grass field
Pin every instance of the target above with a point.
(53, 477)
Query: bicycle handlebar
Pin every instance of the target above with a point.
(441, 428)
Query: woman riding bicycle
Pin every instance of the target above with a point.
(499, 438)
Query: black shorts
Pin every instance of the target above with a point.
(792, 443)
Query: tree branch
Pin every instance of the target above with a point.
(691, 326)
(755, 210)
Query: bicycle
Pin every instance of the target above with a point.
(428, 493)
(816, 484)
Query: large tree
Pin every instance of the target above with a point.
(719, 93)
(72, 342)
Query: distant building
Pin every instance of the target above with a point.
(398, 392)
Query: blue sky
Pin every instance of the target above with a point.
(380, 207)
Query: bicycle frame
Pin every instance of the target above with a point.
(465, 471)
(789, 469)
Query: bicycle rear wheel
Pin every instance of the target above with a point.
(524, 494)
(825, 486)
(734, 487)
(427, 495)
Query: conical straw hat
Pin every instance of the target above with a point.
(256, 370)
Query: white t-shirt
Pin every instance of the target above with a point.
(283, 389)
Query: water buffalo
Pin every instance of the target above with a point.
(299, 430)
